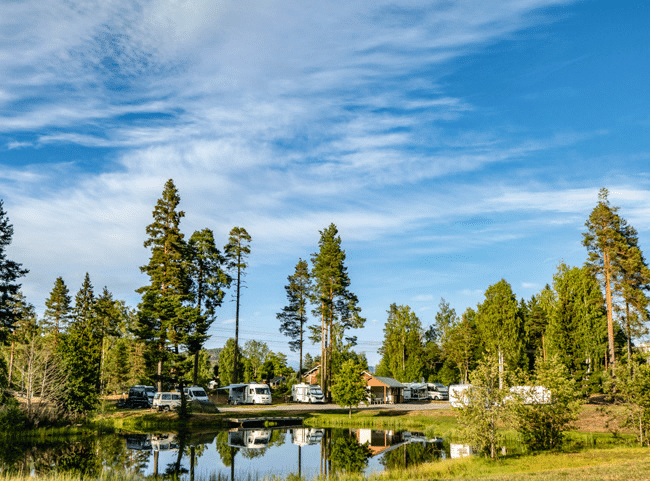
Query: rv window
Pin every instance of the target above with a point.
(166, 396)
(176, 396)
(262, 390)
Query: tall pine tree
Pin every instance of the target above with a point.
(209, 279)
(336, 306)
(237, 251)
(294, 315)
(165, 316)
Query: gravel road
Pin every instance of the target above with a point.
(325, 407)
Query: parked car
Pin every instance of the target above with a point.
(165, 401)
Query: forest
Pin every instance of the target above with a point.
(89, 345)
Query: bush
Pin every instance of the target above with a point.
(542, 426)
(12, 418)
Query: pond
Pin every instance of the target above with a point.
(244, 454)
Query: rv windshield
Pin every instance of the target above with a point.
(199, 393)
(262, 390)
(315, 391)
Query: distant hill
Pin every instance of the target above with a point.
(214, 354)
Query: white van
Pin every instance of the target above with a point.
(196, 393)
(248, 394)
(307, 393)
(165, 401)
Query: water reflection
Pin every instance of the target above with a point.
(240, 454)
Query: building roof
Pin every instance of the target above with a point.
(388, 381)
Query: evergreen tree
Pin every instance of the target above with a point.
(633, 281)
(237, 250)
(80, 350)
(208, 283)
(58, 310)
(605, 242)
(402, 347)
(226, 359)
(577, 322)
(294, 316)
(500, 325)
(109, 314)
(10, 272)
(165, 316)
(335, 304)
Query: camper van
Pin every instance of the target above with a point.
(437, 391)
(248, 394)
(165, 401)
(196, 393)
(306, 393)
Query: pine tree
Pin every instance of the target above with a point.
(335, 304)
(206, 269)
(237, 250)
(632, 284)
(461, 342)
(80, 350)
(294, 316)
(165, 316)
(605, 243)
(10, 272)
(58, 310)
(109, 314)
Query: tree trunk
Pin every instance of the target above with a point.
(610, 316)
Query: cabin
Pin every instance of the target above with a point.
(312, 376)
(383, 390)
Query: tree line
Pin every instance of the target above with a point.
(91, 345)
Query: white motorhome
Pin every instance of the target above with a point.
(248, 394)
(307, 436)
(437, 391)
(307, 393)
(196, 393)
(165, 401)
(458, 395)
(530, 394)
(415, 392)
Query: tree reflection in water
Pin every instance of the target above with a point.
(263, 453)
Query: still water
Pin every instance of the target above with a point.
(243, 455)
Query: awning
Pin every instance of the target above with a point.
(234, 386)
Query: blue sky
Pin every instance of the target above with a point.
(453, 143)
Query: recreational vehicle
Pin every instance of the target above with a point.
(530, 394)
(248, 394)
(415, 392)
(306, 393)
(196, 393)
(437, 391)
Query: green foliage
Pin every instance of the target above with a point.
(543, 425)
(576, 331)
(80, 350)
(237, 251)
(58, 310)
(500, 324)
(256, 353)
(459, 344)
(294, 315)
(209, 279)
(632, 385)
(12, 418)
(336, 306)
(10, 272)
(226, 357)
(349, 388)
(166, 315)
(484, 409)
(402, 348)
